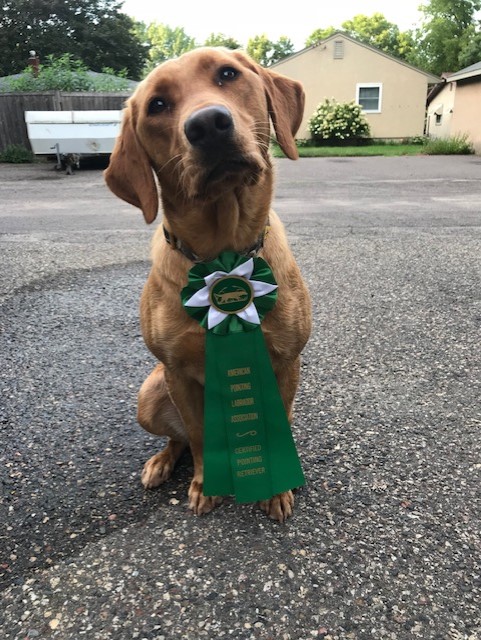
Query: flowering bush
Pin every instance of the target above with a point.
(338, 122)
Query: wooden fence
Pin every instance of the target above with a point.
(13, 129)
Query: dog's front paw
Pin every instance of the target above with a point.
(198, 502)
(157, 470)
(279, 507)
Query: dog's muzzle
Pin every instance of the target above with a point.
(217, 150)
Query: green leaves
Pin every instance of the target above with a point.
(94, 31)
(374, 30)
(166, 42)
(65, 73)
(449, 37)
(221, 40)
(378, 32)
(267, 52)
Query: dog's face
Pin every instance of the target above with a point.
(209, 119)
(202, 124)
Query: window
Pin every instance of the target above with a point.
(438, 114)
(369, 96)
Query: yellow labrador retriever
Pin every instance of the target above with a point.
(197, 131)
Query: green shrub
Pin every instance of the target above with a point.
(65, 74)
(16, 154)
(338, 123)
(454, 145)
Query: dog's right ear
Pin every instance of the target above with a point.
(129, 174)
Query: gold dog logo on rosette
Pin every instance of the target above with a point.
(231, 294)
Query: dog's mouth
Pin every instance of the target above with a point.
(209, 177)
(228, 167)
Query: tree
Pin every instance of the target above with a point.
(459, 11)
(258, 48)
(281, 49)
(377, 31)
(448, 35)
(92, 30)
(267, 52)
(220, 40)
(104, 47)
(320, 34)
(165, 43)
(470, 52)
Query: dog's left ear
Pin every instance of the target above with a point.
(285, 100)
(129, 174)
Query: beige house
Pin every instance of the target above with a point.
(392, 93)
(454, 106)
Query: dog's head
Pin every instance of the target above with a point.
(201, 123)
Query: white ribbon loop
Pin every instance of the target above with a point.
(202, 297)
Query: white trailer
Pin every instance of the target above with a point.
(68, 133)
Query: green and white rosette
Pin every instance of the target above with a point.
(249, 451)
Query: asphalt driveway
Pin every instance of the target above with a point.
(385, 541)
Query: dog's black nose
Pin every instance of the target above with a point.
(209, 127)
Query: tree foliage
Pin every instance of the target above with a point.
(165, 43)
(220, 40)
(377, 31)
(94, 31)
(459, 11)
(100, 35)
(374, 30)
(267, 52)
(320, 34)
(449, 37)
(281, 49)
(470, 52)
(65, 74)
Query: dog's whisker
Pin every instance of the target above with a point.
(177, 158)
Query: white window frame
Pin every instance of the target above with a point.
(370, 85)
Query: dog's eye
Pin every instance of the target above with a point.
(157, 105)
(228, 73)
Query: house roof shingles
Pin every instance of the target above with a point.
(468, 72)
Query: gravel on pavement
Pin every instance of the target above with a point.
(385, 541)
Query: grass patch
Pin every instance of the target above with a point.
(449, 146)
(345, 151)
(370, 150)
(455, 145)
(16, 154)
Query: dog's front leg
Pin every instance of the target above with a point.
(188, 397)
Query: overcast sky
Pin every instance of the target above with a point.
(243, 19)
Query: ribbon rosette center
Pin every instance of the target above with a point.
(231, 293)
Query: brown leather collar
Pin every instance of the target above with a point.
(176, 243)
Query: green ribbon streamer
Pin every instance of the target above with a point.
(249, 450)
